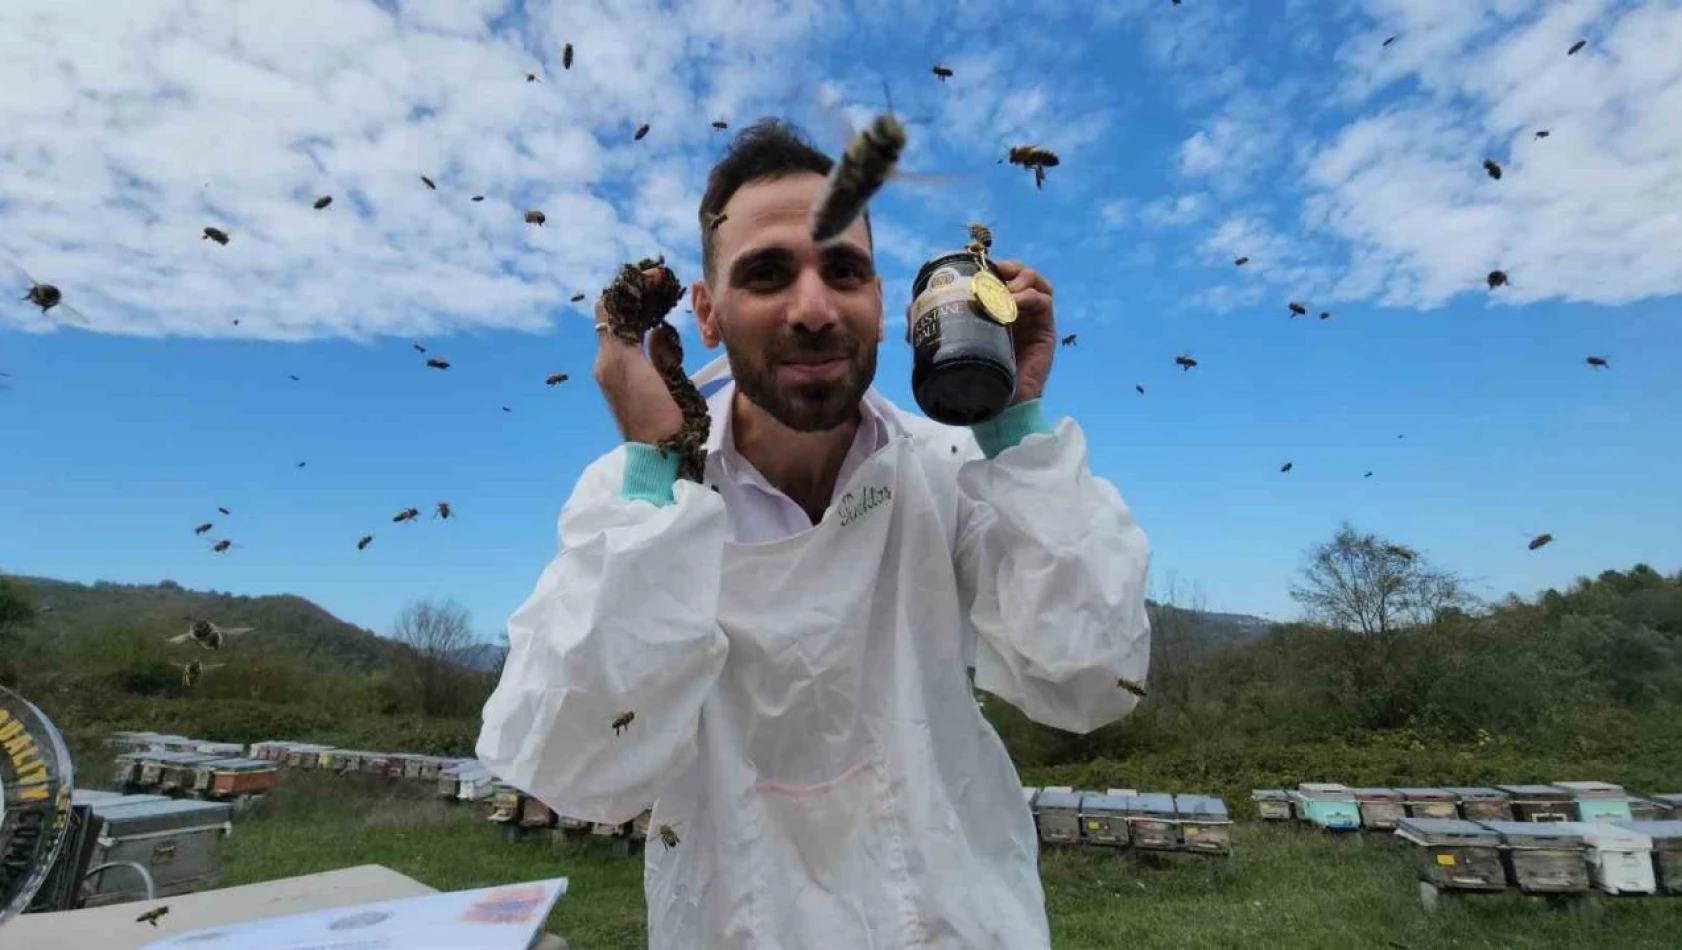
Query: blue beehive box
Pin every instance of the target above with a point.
(1327, 804)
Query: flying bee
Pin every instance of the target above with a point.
(535, 217)
(1286, 467)
(293, 378)
(941, 72)
(1367, 475)
(1389, 41)
(1297, 309)
(1540, 540)
(1069, 340)
(623, 721)
(531, 77)
(566, 56)
(714, 220)
(364, 541)
(506, 409)
(668, 836)
(641, 131)
(478, 197)
(1138, 389)
(407, 514)
(1543, 133)
(1185, 362)
(444, 511)
(555, 380)
(418, 348)
(192, 672)
(720, 124)
(201, 529)
(429, 183)
(1137, 689)
(1493, 169)
(980, 238)
(1496, 278)
(577, 297)
(221, 546)
(151, 916)
(323, 202)
(224, 511)
(1325, 314)
(208, 635)
(1034, 157)
(215, 234)
(1241, 262)
(1598, 362)
(865, 165)
(45, 296)
(1576, 47)
(437, 363)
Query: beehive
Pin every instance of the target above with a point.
(1667, 851)
(1272, 804)
(1430, 802)
(1671, 800)
(1483, 804)
(1058, 811)
(474, 783)
(1327, 804)
(1539, 802)
(1642, 808)
(181, 774)
(1620, 860)
(1597, 801)
(1454, 854)
(1381, 808)
(236, 777)
(1542, 857)
(226, 750)
(1152, 822)
(1103, 820)
(505, 802)
(1204, 824)
(535, 814)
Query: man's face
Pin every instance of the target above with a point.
(799, 323)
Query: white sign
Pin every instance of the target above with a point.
(508, 917)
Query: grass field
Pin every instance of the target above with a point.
(1284, 887)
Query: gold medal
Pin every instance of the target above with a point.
(994, 299)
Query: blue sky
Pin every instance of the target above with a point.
(1347, 171)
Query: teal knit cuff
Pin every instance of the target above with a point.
(1010, 427)
(648, 477)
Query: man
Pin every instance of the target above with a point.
(780, 655)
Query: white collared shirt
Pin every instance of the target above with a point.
(759, 511)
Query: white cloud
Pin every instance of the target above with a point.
(1173, 210)
(132, 125)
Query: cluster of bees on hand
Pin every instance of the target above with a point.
(208, 636)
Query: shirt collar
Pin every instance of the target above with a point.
(880, 419)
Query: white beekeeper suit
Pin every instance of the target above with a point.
(802, 709)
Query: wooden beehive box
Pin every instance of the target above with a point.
(1103, 820)
(1430, 802)
(176, 841)
(1539, 802)
(155, 766)
(449, 781)
(178, 774)
(125, 769)
(196, 781)
(640, 824)
(1667, 851)
(474, 783)
(1058, 814)
(240, 777)
(1272, 804)
(1454, 854)
(1483, 804)
(1152, 822)
(1642, 808)
(505, 802)
(1542, 857)
(375, 763)
(1381, 808)
(1204, 825)
(535, 814)
(1673, 801)
(1596, 801)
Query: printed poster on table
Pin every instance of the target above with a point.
(508, 917)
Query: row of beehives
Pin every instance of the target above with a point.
(1342, 808)
(519, 813)
(1617, 856)
(1122, 817)
(179, 766)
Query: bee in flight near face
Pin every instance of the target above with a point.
(577, 297)
(1069, 340)
(45, 296)
(1034, 157)
(865, 165)
(668, 836)
(555, 380)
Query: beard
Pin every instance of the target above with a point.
(808, 406)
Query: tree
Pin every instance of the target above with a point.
(16, 612)
(1365, 583)
(434, 634)
(1176, 644)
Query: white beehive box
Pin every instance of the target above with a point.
(1620, 860)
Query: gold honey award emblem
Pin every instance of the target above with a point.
(994, 299)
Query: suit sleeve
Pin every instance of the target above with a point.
(622, 621)
(1052, 571)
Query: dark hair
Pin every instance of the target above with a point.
(764, 151)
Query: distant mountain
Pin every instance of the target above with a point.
(480, 657)
(283, 622)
